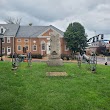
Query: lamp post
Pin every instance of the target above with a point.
(1, 37)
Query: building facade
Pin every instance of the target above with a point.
(34, 39)
(101, 43)
(9, 31)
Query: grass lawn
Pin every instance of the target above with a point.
(30, 88)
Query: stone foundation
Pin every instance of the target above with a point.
(56, 74)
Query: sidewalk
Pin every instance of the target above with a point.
(5, 58)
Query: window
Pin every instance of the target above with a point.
(19, 47)
(2, 30)
(3, 50)
(34, 47)
(43, 46)
(26, 40)
(8, 39)
(18, 40)
(8, 49)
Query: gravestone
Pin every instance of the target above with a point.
(29, 59)
(54, 58)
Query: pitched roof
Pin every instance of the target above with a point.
(58, 30)
(31, 31)
(11, 29)
(35, 31)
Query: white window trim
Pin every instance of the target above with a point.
(9, 40)
(20, 46)
(8, 47)
(18, 40)
(33, 47)
(3, 29)
(26, 39)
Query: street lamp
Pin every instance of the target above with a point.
(1, 37)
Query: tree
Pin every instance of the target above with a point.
(11, 20)
(75, 37)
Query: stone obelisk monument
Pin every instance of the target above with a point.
(54, 58)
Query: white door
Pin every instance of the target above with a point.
(48, 48)
(8, 50)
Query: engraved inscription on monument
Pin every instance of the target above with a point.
(54, 58)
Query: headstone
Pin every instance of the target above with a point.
(93, 62)
(29, 58)
(14, 61)
(105, 60)
(54, 58)
(79, 59)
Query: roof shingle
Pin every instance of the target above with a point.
(11, 29)
(35, 31)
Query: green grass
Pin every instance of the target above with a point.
(30, 88)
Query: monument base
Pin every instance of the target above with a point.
(55, 62)
(56, 74)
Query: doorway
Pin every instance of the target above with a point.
(8, 50)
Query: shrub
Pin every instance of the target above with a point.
(2, 55)
(66, 57)
(39, 56)
(13, 55)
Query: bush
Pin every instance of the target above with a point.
(66, 57)
(39, 56)
(2, 55)
(13, 55)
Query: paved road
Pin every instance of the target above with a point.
(101, 60)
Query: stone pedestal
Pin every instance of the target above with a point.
(55, 62)
(54, 58)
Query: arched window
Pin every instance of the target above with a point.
(34, 47)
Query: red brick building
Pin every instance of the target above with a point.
(9, 31)
(36, 39)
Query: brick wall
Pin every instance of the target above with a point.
(6, 45)
(37, 41)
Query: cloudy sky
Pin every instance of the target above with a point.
(94, 15)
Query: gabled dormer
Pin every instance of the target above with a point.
(2, 30)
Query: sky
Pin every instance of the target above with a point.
(92, 14)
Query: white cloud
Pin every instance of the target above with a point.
(93, 15)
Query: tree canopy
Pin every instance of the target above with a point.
(75, 37)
